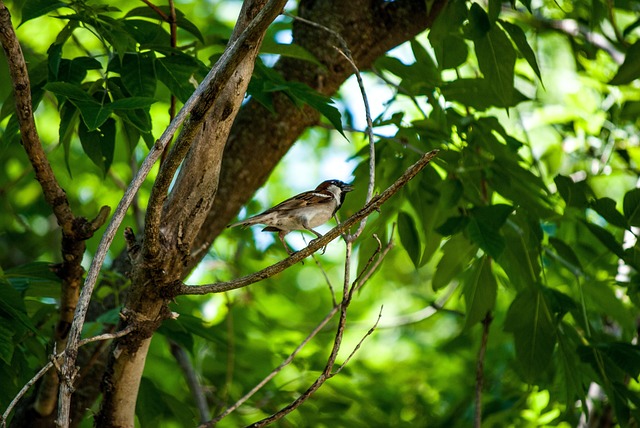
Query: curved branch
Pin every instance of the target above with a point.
(316, 244)
(53, 193)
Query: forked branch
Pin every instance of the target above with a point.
(374, 205)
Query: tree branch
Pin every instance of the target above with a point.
(197, 105)
(55, 359)
(486, 323)
(205, 96)
(316, 244)
(53, 193)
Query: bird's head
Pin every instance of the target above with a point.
(337, 187)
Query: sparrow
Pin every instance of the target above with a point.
(302, 212)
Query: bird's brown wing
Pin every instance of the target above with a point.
(300, 201)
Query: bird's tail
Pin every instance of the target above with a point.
(246, 222)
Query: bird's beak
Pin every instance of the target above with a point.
(347, 188)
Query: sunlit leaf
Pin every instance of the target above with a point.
(520, 39)
(497, 59)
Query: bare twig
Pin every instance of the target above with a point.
(54, 360)
(486, 323)
(326, 278)
(343, 50)
(316, 244)
(192, 380)
(277, 370)
(359, 344)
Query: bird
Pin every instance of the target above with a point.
(303, 211)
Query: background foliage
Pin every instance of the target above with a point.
(529, 214)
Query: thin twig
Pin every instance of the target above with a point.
(277, 370)
(343, 50)
(372, 147)
(54, 360)
(157, 10)
(316, 244)
(192, 380)
(326, 278)
(486, 323)
(400, 89)
(357, 347)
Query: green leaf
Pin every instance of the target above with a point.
(35, 8)
(631, 207)
(147, 33)
(521, 262)
(630, 68)
(93, 113)
(494, 10)
(531, 323)
(425, 66)
(409, 237)
(69, 116)
(567, 255)
(452, 52)
(12, 307)
(606, 238)
(69, 90)
(138, 74)
(34, 279)
(484, 227)
(478, 94)
(497, 59)
(479, 24)
(290, 51)
(99, 144)
(132, 103)
(176, 73)
(319, 102)
(453, 225)
(457, 253)
(181, 21)
(479, 291)
(6, 343)
(574, 194)
(520, 39)
(606, 207)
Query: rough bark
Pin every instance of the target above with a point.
(160, 261)
(259, 139)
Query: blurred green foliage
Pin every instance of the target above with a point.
(530, 212)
